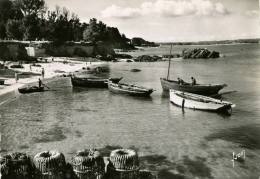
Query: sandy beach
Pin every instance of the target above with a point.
(55, 67)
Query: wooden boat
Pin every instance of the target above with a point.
(93, 82)
(2, 81)
(132, 90)
(30, 89)
(203, 89)
(199, 102)
(135, 70)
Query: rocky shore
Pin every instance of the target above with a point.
(199, 53)
(148, 58)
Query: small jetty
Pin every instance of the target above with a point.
(85, 164)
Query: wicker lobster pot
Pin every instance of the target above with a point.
(17, 166)
(49, 165)
(124, 164)
(145, 174)
(5, 164)
(88, 164)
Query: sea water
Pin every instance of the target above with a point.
(171, 142)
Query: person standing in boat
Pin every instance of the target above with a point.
(40, 82)
(43, 73)
(193, 81)
(180, 81)
(16, 77)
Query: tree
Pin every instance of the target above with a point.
(7, 11)
(5, 52)
(91, 33)
(5, 7)
(75, 28)
(30, 20)
(2, 30)
(14, 29)
(61, 26)
(30, 7)
(33, 11)
(32, 27)
(114, 35)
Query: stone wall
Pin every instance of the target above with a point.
(13, 51)
(24, 50)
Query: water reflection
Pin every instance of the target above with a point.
(247, 136)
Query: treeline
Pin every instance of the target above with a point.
(137, 41)
(31, 20)
(249, 41)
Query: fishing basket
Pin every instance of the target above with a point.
(16, 166)
(124, 164)
(50, 165)
(88, 164)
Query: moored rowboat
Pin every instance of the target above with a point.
(30, 89)
(92, 82)
(194, 101)
(132, 90)
(203, 89)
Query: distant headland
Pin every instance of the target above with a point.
(218, 42)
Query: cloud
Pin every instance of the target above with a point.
(168, 8)
(119, 12)
(252, 13)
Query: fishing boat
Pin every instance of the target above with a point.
(199, 102)
(203, 89)
(92, 82)
(129, 89)
(30, 89)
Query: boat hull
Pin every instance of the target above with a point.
(187, 87)
(30, 89)
(115, 88)
(91, 82)
(198, 102)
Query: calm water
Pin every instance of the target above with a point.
(170, 142)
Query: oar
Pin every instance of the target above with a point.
(223, 93)
(45, 86)
(227, 92)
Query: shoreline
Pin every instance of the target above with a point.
(53, 70)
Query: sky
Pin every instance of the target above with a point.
(172, 20)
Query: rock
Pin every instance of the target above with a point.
(124, 56)
(199, 53)
(147, 58)
(135, 70)
(175, 55)
(107, 57)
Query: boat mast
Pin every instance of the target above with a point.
(169, 65)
